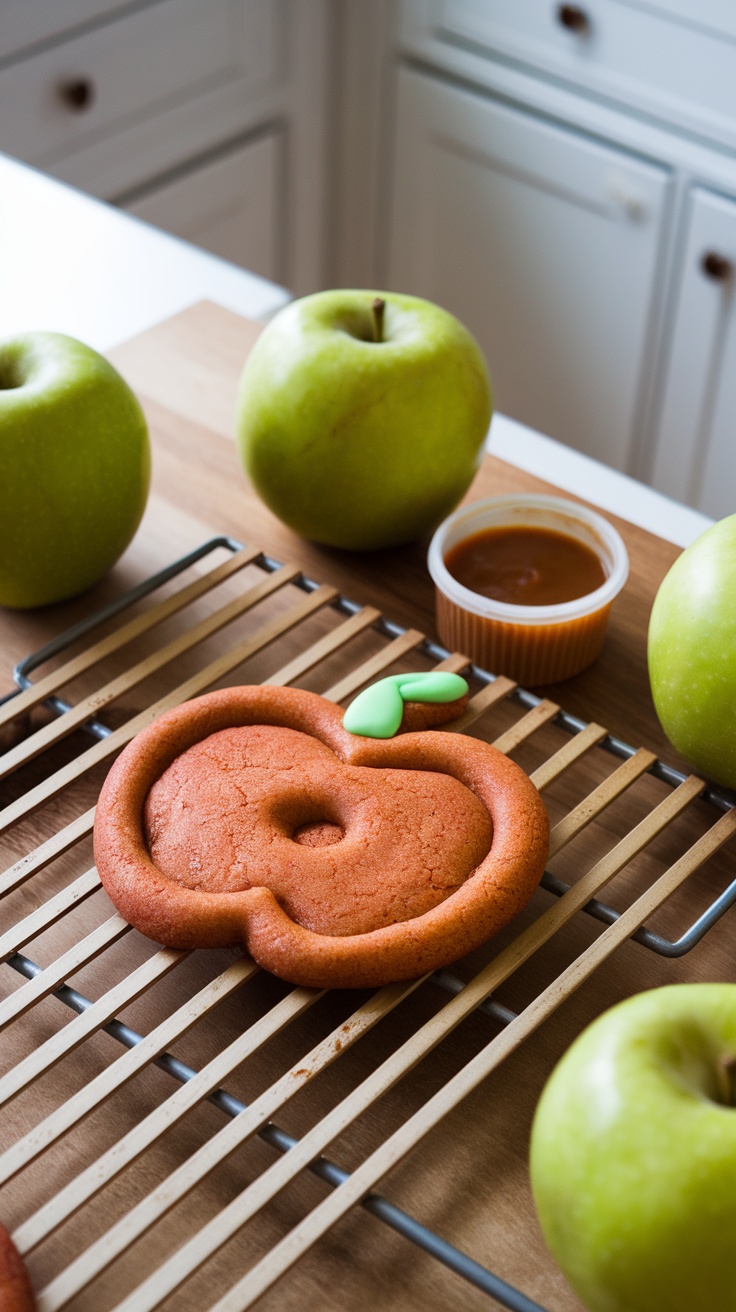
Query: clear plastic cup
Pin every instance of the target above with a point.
(531, 644)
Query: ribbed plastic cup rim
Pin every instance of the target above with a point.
(541, 511)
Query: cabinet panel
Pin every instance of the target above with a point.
(545, 243)
(133, 68)
(231, 206)
(696, 447)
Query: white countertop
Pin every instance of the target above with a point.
(72, 264)
(75, 265)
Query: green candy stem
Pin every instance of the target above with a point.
(378, 710)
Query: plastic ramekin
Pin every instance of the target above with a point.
(531, 644)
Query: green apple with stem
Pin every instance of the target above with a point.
(692, 653)
(74, 468)
(633, 1154)
(361, 416)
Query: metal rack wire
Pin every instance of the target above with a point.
(265, 621)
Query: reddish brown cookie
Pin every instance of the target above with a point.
(345, 849)
(16, 1294)
(250, 815)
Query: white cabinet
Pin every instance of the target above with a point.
(207, 117)
(671, 58)
(696, 440)
(545, 243)
(554, 174)
(97, 83)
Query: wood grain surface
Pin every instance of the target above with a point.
(616, 829)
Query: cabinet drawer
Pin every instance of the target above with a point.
(128, 70)
(230, 206)
(682, 69)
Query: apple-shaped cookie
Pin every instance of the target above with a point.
(253, 816)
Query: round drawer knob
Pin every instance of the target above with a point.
(573, 18)
(716, 266)
(78, 93)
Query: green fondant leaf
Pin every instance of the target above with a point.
(377, 711)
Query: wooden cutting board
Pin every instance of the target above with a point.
(469, 1181)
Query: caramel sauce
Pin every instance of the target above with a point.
(525, 566)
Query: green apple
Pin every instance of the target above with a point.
(74, 468)
(361, 416)
(633, 1154)
(692, 653)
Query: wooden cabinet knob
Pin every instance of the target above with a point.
(573, 18)
(78, 94)
(716, 266)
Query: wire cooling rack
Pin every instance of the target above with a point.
(109, 1207)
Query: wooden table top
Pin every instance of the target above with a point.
(474, 1191)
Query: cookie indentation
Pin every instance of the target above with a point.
(319, 833)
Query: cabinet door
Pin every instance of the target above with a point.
(545, 243)
(230, 206)
(696, 448)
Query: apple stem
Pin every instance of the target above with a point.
(727, 1069)
(378, 306)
